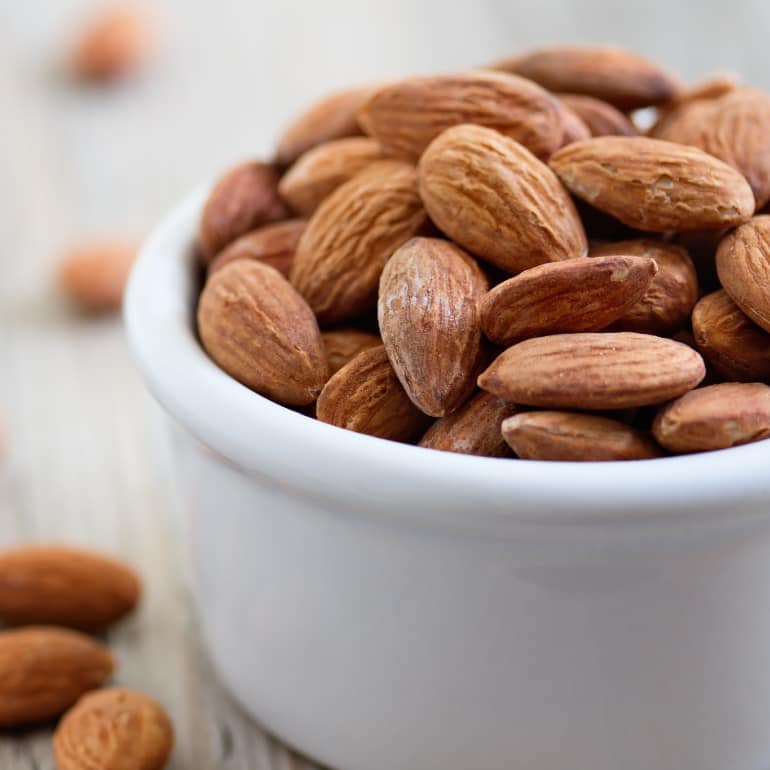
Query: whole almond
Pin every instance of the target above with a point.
(428, 311)
(261, 332)
(114, 729)
(405, 117)
(601, 118)
(275, 245)
(729, 340)
(352, 235)
(583, 294)
(497, 200)
(65, 586)
(44, 670)
(655, 185)
(743, 265)
(245, 198)
(666, 305)
(715, 417)
(474, 429)
(343, 345)
(575, 437)
(365, 396)
(605, 370)
(321, 170)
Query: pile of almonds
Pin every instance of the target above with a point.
(501, 262)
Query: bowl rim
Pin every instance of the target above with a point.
(360, 472)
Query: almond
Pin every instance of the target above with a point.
(65, 586)
(584, 294)
(343, 345)
(114, 729)
(44, 670)
(261, 332)
(495, 199)
(352, 235)
(655, 185)
(593, 371)
(365, 396)
(474, 429)
(743, 265)
(245, 198)
(715, 417)
(428, 311)
(405, 117)
(575, 437)
(601, 118)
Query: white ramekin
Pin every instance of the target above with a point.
(385, 607)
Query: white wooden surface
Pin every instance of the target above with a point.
(88, 460)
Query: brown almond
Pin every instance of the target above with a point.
(365, 396)
(715, 417)
(497, 200)
(114, 729)
(428, 311)
(65, 586)
(655, 185)
(261, 332)
(575, 437)
(605, 370)
(583, 294)
(343, 345)
(601, 118)
(44, 670)
(352, 235)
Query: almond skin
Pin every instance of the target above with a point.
(428, 311)
(65, 586)
(261, 332)
(365, 396)
(321, 170)
(44, 670)
(715, 417)
(245, 198)
(654, 185)
(405, 117)
(601, 118)
(575, 437)
(343, 345)
(497, 200)
(743, 266)
(593, 371)
(584, 294)
(729, 340)
(474, 429)
(574, 129)
(352, 235)
(114, 729)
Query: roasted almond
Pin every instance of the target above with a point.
(605, 370)
(601, 118)
(257, 328)
(343, 345)
(497, 200)
(655, 185)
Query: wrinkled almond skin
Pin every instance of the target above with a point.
(474, 429)
(605, 370)
(495, 199)
(601, 118)
(729, 340)
(275, 245)
(405, 117)
(245, 198)
(343, 345)
(743, 266)
(715, 417)
(622, 78)
(44, 670)
(666, 305)
(352, 235)
(575, 437)
(257, 328)
(365, 396)
(576, 295)
(65, 586)
(114, 729)
(654, 185)
(428, 312)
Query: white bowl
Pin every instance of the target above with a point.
(386, 607)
